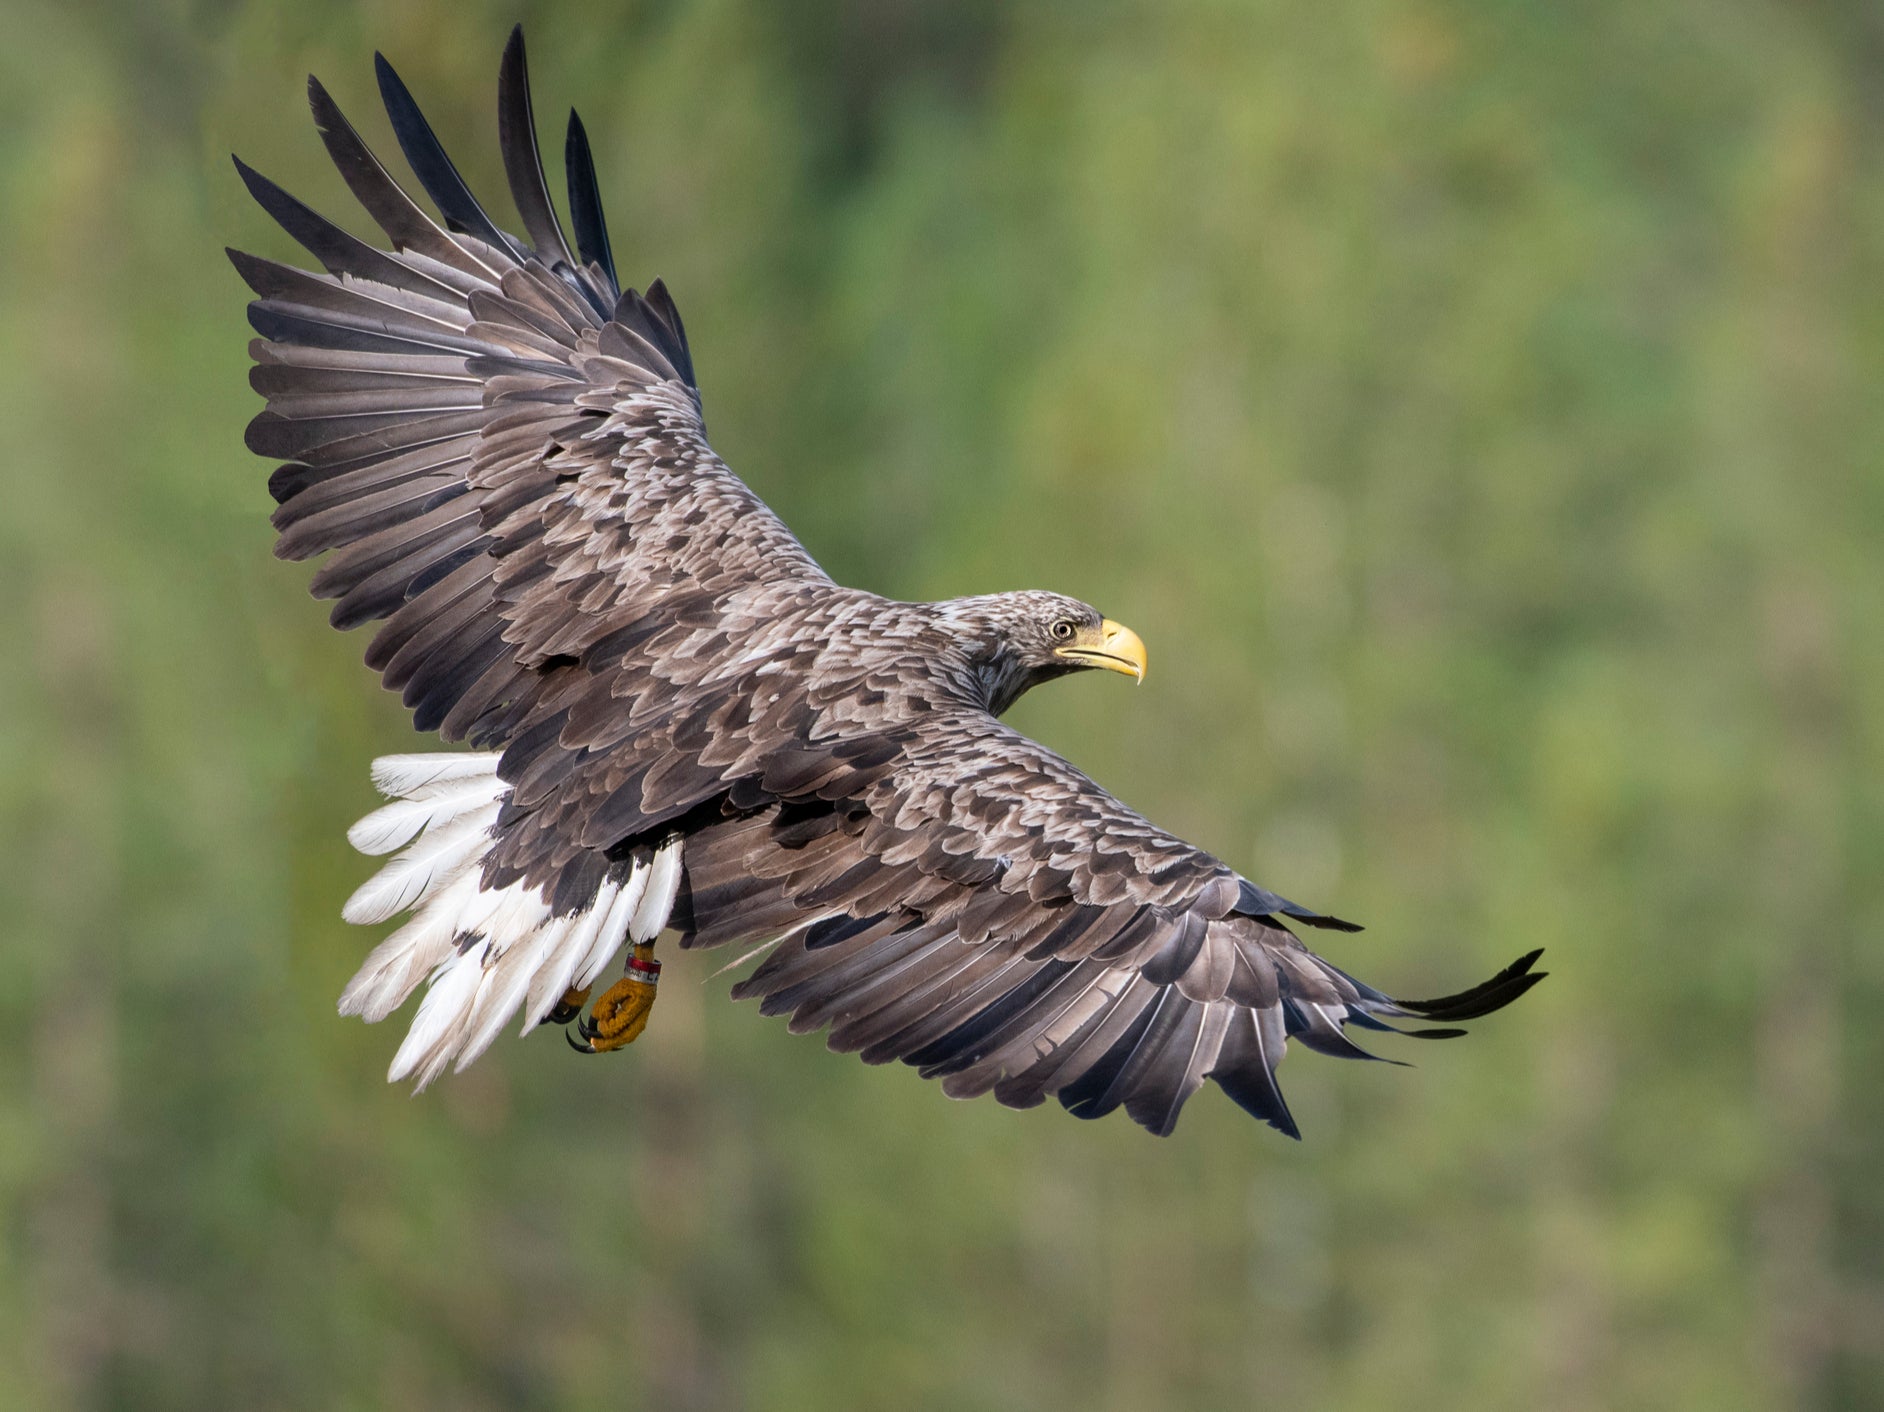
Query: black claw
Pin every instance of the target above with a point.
(562, 1014)
(581, 1046)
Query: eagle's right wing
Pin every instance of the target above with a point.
(504, 451)
(504, 454)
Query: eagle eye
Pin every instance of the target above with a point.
(1063, 630)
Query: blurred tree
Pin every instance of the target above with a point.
(1471, 404)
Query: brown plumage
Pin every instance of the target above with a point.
(688, 722)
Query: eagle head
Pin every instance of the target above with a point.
(1016, 641)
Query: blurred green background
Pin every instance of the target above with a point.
(1474, 406)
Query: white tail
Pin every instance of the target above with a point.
(488, 951)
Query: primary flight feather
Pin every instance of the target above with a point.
(680, 721)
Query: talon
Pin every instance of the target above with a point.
(619, 1016)
(568, 1007)
(581, 1046)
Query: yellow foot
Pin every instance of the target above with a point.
(618, 1018)
(569, 1006)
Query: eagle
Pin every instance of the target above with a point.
(679, 722)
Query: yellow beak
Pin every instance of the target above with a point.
(1110, 645)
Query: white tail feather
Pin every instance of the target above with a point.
(410, 776)
(516, 928)
(663, 885)
(454, 985)
(398, 823)
(489, 912)
(487, 950)
(504, 987)
(426, 865)
(614, 928)
(554, 980)
(399, 963)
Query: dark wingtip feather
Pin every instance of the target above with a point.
(1325, 922)
(321, 103)
(260, 187)
(1484, 998)
(320, 100)
(408, 227)
(585, 202)
(662, 303)
(271, 197)
(523, 160)
(252, 268)
(1260, 902)
(1263, 1101)
(432, 166)
(1338, 1046)
(1369, 1022)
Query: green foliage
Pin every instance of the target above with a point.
(1472, 405)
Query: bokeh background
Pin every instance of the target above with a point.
(1475, 405)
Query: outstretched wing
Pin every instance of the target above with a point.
(988, 914)
(503, 449)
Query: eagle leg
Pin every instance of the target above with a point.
(617, 1019)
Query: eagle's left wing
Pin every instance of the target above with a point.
(987, 913)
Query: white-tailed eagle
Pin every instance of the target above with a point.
(680, 721)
